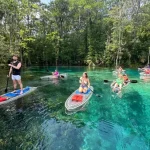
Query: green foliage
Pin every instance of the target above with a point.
(85, 32)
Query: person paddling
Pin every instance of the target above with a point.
(15, 70)
(84, 83)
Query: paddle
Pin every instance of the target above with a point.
(97, 95)
(6, 85)
(61, 76)
(9, 61)
(131, 81)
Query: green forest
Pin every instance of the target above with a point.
(75, 32)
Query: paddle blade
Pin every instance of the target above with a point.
(62, 76)
(133, 81)
(98, 95)
(6, 90)
(106, 81)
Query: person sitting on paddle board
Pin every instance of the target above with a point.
(56, 73)
(84, 83)
(15, 69)
(118, 83)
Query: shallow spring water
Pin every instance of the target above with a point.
(39, 121)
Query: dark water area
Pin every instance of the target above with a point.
(109, 122)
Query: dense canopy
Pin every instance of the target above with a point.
(75, 32)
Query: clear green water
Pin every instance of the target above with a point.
(39, 122)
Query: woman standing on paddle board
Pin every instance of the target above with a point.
(15, 69)
(84, 83)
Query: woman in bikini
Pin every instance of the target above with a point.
(84, 83)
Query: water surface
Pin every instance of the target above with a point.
(39, 121)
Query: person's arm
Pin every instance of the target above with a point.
(80, 81)
(88, 83)
(16, 67)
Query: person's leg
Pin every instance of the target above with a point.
(14, 83)
(120, 86)
(20, 83)
(80, 89)
(21, 86)
(115, 87)
(85, 90)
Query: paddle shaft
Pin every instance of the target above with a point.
(97, 95)
(131, 81)
(6, 85)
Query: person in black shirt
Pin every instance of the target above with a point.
(15, 69)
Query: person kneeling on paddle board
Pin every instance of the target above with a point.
(15, 69)
(84, 83)
(56, 73)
